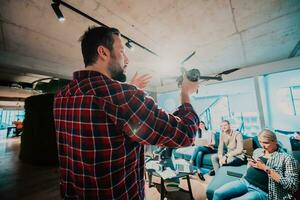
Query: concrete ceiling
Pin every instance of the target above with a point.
(225, 34)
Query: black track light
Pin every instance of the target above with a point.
(129, 45)
(56, 3)
(57, 11)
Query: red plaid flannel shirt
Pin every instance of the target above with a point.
(102, 126)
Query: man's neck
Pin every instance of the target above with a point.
(98, 68)
(228, 132)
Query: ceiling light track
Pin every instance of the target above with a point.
(59, 2)
(58, 13)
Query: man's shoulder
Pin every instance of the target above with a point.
(65, 91)
(128, 87)
(237, 133)
(282, 153)
(102, 86)
(119, 92)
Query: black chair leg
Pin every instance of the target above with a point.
(190, 187)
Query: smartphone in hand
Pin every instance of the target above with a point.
(249, 157)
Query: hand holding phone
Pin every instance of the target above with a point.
(250, 158)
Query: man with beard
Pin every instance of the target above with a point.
(232, 141)
(103, 124)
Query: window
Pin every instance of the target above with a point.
(226, 108)
(216, 113)
(295, 97)
(8, 116)
(246, 122)
(219, 112)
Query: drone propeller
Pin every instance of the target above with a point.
(217, 77)
(228, 71)
(187, 58)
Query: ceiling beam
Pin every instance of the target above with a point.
(295, 50)
(238, 32)
(32, 65)
(12, 98)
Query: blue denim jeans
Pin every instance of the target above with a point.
(240, 190)
(200, 150)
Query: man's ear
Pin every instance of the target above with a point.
(103, 53)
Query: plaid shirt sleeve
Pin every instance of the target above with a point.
(287, 167)
(145, 123)
(290, 179)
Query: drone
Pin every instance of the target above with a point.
(195, 75)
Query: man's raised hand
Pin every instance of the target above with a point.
(140, 81)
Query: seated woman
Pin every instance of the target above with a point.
(271, 174)
(209, 138)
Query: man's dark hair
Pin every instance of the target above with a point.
(226, 121)
(93, 38)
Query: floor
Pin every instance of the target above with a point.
(20, 181)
